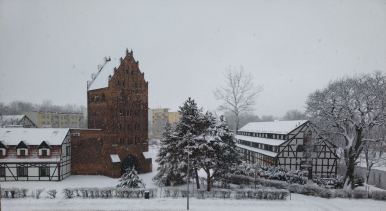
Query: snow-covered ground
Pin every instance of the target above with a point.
(298, 202)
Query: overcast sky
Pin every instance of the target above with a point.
(49, 49)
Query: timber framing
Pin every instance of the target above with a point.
(299, 149)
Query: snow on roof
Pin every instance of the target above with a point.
(273, 142)
(147, 155)
(102, 78)
(115, 158)
(54, 159)
(261, 151)
(33, 136)
(278, 127)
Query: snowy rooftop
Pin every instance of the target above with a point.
(53, 159)
(273, 142)
(102, 78)
(261, 151)
(277, 127)
(115, 158)
(147, 155)
(33, 136)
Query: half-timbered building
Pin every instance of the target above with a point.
(35, 154)
(292, 144)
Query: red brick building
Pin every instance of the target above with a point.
(117, 102)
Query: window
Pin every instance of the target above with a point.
(1, 152)
(44, 152)
(22, 152)
(68, 153)
(140, 85)
(2, 171)
(103, 97)
(43, 123)
(121, 141)
(300, 148)
(117, 82)
(132, 72)
(123, 82)
(127, 71)
(128, 98)
(44, 171)
(43, 117)
(22, 171)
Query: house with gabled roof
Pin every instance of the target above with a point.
(295, 145)
(16, 120)
(35, 154)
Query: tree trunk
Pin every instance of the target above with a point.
(197, 179)
(349, 178)
(208, 180)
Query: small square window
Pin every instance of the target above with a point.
(44, 152)
(22, 171)
(22, 152)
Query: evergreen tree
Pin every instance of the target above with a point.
(130, 179)
(210, 145)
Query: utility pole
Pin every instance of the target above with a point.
(188, 183)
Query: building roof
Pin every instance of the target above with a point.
(270, 141)
(261, 151)
(102, 78)
(277, 127)
(33, 136)
(115, 158)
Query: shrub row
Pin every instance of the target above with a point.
(22, 193)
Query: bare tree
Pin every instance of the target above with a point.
(239, 94)
(295, 115)
(373, 152)
(350, 109)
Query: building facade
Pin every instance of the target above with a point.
(292, 144)
(159, 117)
(34, 154)
(117, 138)
(55, 119)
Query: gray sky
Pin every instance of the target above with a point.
(49, 49)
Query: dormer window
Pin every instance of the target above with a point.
(44, 149)
(22, 149)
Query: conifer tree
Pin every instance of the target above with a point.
(130, 179)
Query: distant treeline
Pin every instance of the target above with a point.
(15, 107)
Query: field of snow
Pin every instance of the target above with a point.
(298, 202)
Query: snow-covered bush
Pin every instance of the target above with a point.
(175, 192)
(52, 193)
(130, 179)
(240, 179)
(84, 192)
(38, 192)
(68, 192)
(378, 195)
(23, 191)
(13, 191)
(343, 193)
(360, 194)
(4, 192)
(272, 183)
